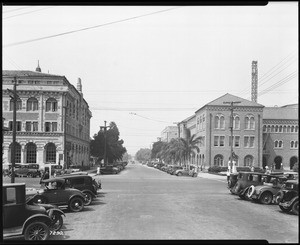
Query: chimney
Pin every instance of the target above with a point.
(79, 86)
(254, 82)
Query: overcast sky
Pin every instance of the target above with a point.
(146, 67)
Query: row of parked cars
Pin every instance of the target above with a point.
(279, 188)
(113, 168)
(175, 169)
(34, 213)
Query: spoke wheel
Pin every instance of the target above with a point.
(266, 198)
(284, 209)
(36, 231)
(295, 208)
(89, 199)
(76, 204)
(56, 222)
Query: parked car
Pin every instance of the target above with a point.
(57, 170)
(174, 169)
(84, 183)
(55, 192)
(245, 180)
(265, 193)
(288, 197)
(109, 169)
(186, 172)
(233, 178)
(169, 168)
(31, 221)
(34, 170)
(21, 170)
(72, 169)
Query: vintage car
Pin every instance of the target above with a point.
(84, 183)
(21, 170)
(233, 178)
(55, 192)
(57, 170)
(288, 197)
(265, 193)
(109, 169)
(34, 170)
(186, 172)
(21, 219)
(244, 181)
(174, 169)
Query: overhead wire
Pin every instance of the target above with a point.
(12, 16)
(87, 28)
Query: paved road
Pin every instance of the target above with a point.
(145, 203)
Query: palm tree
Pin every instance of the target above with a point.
(189, 147)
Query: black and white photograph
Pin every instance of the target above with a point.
(145, 122)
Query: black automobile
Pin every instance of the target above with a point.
(288, 197)
(19, 218)
(109, 169)
(56, 192)
(84, 183)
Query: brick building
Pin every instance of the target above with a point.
(53, 119)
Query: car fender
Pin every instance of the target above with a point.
(264, 191)
(36, 217)
(295, 199)
(243, 191)
(89, 191)
(77, 195)
(55, 210)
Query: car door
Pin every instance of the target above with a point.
(56, 196)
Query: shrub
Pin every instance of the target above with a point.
(215, 169)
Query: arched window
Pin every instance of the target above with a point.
(248, 161)
(269, 128)
(296, 129)
(249, 122)
(218, 160)
(276, 128)
(280, 129)
(252, 123)
(292, 129)
(31, 153)
(17, 152)
(276, 143)
(236, 122)
(280, 145)
(264, 128)
(272, 128)
(50, 153)
(217, 122)
(18, 104)
(292, 144)
(284, 129)
(222, 122)
(51, 105)
(288, 129)
(32, 104)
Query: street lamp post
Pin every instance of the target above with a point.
(231, 130)
(104, 127)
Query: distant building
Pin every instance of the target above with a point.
(170, 132)
(261, 135)
(53, 119)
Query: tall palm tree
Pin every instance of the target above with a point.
(189, 147)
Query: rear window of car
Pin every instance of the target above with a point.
(77, 181)
(10, 195)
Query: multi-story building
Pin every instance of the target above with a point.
(170, 132)
(262, 136)
(52, 119)
(280, 132)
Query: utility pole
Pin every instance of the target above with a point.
(231, 130)
(14, 96)
(104, 127)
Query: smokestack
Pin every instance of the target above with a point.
(254, 82)
(79, 86)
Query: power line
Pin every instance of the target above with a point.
(12, 16)
(13, 10)
(149, 118)
(87, 28)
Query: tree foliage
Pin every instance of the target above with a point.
(143, 154)
(114, 146)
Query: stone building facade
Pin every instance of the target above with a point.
(254, 142)
(53, 119)
(170, 132)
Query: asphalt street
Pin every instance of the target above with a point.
(145, 203)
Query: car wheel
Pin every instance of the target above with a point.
(56, 222)
(278, 197)
(76, 204)
(29, 175)
(89, 198)
(266, 198)
(285, 209)
(179, 174)
(36, 231)
(250, 191)
(242, 196)
(194, 175)
(295, 208)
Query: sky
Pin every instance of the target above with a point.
(148, 67)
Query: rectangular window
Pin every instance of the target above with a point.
(54, 106)
(48, 106)
(222, 140)
(28, 126)
(10, 125)
(251, 142)
(35, 126)
(216, 140)
(11, 195)
(237, 141)
(19, 126)
(54, 127)
(246, 141)
(47, 127)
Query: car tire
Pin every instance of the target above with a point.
(29, 175)
(89, 198)
(36, 231)
(286, 210)
(266, 198)
(278, 197)
(76, 204)
(250, 191)
(295, 208)
(179, 174)
(56, 222)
